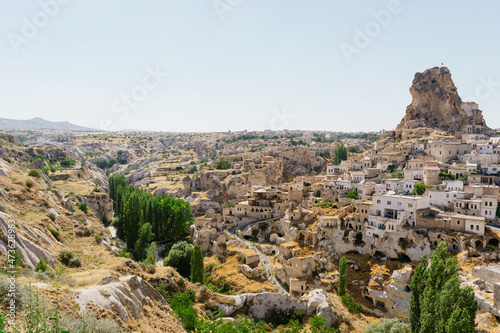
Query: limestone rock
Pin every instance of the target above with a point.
(29, 251)
(127, 296)
(436, 104)
(261, 306)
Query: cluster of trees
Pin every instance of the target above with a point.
(340, 154)
(438, 304)
(222, 164)
(141, 217)
(104, 164)
(187, 260)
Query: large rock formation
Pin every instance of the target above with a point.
(263, 305)
(436, 104)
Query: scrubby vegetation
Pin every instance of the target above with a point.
(68, 258)
(325, 204)
(386, 325)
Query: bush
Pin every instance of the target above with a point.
(279, 317)
(68, 258)
(385, 325)
(42, 266)
(192, 169)
(55, 233)
(397, 175)
(351, 304)
(88, 322)
(325, 204)
(29, 183)
(22, 294)
(98, 238)
(318, 325)
(83, 207)
(222, 164)
(51, 216)
(353, 194)
(6, 159)
(35, 173)
(182, 304)
(75, 262)
(179, 257)
(67, 162)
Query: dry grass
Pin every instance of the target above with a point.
(239, 282)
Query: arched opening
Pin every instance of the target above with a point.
(379, 254)
(493, 242)
(359, 239)
(352, 252)
(403, 257)
(479, 245)
(301, 237)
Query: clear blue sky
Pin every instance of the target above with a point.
(234, 73)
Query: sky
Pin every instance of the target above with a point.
(219, 65)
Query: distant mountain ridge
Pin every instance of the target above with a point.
(39, 123)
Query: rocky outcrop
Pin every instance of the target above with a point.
(436, 104)
(101, 204)
(261, 306)
(126, 296)
(395, 296)
(29, 251)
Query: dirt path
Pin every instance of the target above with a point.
(265, 261)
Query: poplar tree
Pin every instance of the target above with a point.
(438, 304)
(342, 276)
(197, 265)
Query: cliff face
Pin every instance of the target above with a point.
(436, 104)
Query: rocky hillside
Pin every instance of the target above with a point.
(436, 104)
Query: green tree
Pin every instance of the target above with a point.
(353, 194)
(151, 255)
(340, 154)
(197, 271)
(419, 189)
(145, 236)
(342, 276)
(222, 164)
(42, 266)
(132, 218)
(179, 257)
(437, 299)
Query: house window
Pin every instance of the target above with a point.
(458, 222)
(389, 203)
(477, 227)
(471, 227)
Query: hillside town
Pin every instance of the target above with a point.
(274, 214)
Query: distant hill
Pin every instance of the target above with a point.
(39, 123)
